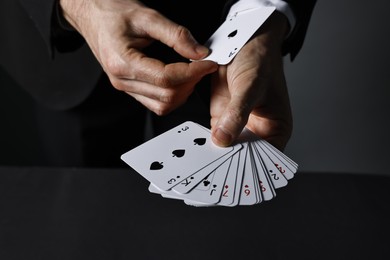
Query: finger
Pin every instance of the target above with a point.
(133, 87)
(134, 65)
(163, 98)
(275, 131)
(157, 107)
(180, 73)
(220, 96)
(167, 96)
(232, 121)
(173, 35)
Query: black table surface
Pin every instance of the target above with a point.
(69, 213)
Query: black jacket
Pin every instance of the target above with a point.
(59, 70)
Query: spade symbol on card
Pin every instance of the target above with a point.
(183, 129)
(179, 153)
(156, 166)
(232, 34)
(233, 52)
(199, 141)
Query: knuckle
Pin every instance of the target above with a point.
(166, 96)
(237, 115)
(161, 109)
(234, 115)
(148, 17)
(113, 67)
(181, 35)
(162, 80)
(181, 32)
(117, 83)
(163, 83)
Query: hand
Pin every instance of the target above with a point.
(117, 31)
(251, 91)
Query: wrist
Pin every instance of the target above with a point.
(60, 19)
(274, 31)
(280, 26)
(71, 13)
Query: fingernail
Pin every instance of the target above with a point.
(222, 138)
(202, 50)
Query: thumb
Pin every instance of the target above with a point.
(232, 121)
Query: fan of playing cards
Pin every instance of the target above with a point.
(183, 163)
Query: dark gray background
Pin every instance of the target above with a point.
(339, 88)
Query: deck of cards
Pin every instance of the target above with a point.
(183, 163)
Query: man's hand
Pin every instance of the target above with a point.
(251, 91)
(118, 30)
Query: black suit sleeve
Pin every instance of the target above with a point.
(302, 10)
(26, 52)
(46, 17)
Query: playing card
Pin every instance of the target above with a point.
(209, 190)
(249, 187)
(227, 196)
(234, 33)
(290, 163)
(279, 161)
(240, 175)
(265, 186)
(263, 161)
(173, 156)
(247, 173)
(190, 182)
(230, 196)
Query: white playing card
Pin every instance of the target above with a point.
(292, 165)
(231, 193)
(174, 155)
(240, 175)
(248, 194)
(153, 189)
(190, 182)
(234, 33)
(184, 164)
(210, 189)
(277, 178)
(227, 195)
(266, 188)
(278, 161)
(207, 192)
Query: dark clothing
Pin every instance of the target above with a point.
(83, 120)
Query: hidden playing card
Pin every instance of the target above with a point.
(235, 32)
